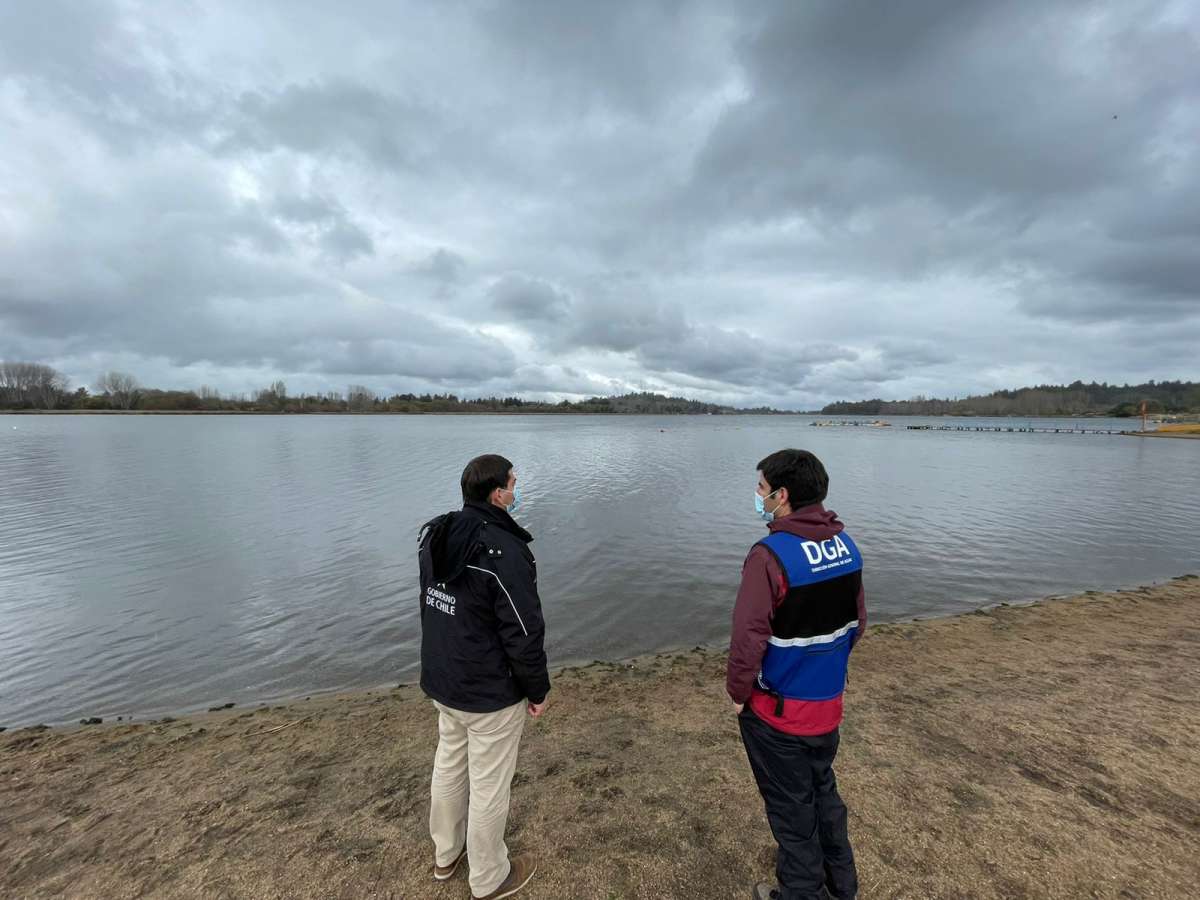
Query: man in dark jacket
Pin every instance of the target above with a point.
(484, 666)
(799, 612)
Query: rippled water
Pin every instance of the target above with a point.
(153, 564)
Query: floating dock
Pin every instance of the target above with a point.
(1017, 429)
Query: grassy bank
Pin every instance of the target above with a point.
(1041, 751)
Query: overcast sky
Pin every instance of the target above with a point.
(782, 203)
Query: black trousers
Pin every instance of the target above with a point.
(808, 818)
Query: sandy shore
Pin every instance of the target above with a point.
(1185, 435)
(1042, 751)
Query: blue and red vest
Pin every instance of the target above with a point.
(813, 628)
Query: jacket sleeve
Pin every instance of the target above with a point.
(762, 583)
(862, 615)
(522, 629)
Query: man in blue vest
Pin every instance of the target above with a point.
(800, 610)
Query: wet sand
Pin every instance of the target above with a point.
(1050, 750)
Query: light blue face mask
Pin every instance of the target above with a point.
(760, 506)
(516, 501)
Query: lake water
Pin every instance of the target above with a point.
(155, 564)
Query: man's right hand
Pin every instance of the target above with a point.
(536, 709)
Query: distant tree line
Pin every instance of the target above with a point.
(32, 386)
(36, 386)
(25, 385)
(1075, 399)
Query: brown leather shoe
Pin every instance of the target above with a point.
(521, 869)
(445, 873)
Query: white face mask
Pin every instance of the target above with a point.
(516, 500)
(760, 505)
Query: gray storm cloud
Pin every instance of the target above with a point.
(774, 203)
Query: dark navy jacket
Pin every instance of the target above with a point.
(482, 631)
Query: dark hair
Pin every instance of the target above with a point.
(483, 475)
(800, 472)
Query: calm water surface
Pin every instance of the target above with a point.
(155, 564)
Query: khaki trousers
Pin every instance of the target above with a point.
(470, 792)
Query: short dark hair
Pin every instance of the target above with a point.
(800, 472)
(483, 475)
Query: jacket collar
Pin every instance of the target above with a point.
(497, 516)
(813, 522)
